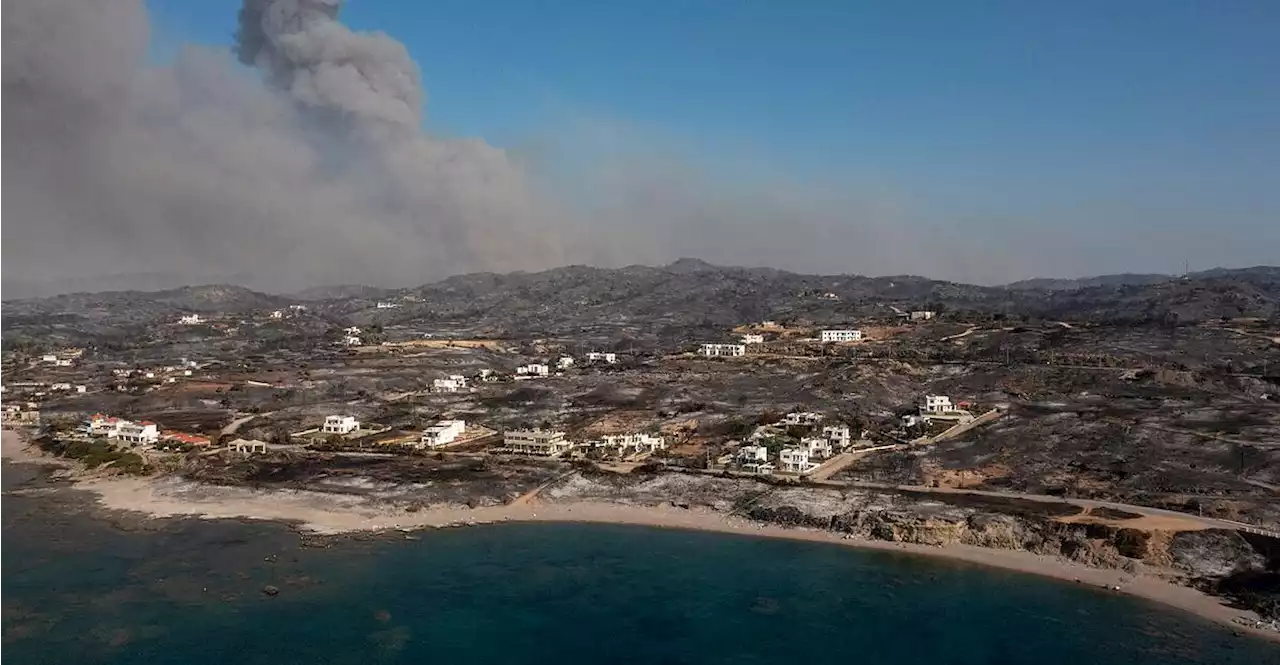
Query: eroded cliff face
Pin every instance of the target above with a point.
(1219, 561)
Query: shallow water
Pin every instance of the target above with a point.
(78, 589)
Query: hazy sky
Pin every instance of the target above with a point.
(1022, 138)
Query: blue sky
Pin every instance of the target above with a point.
(1131, 135)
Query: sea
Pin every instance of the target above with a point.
(80, 586)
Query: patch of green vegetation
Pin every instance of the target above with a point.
(99, 452)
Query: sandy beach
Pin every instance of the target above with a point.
(335, 514)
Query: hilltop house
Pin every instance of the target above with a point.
(936, 405)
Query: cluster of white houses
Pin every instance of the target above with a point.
(801, 458)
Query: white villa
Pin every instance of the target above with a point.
(818, 448)
(923, 315)
(638, 443)
(753, 339)
(351, 340)
(723, 350)
(806, 418)
(442, 433)
(565, 362)
(190, 319)
(456, 383)
(340, 425)
(597, 356)
(936, 405)
(545, 443)
(386, 305)
(533, 369)
(755, 459)
(838, 436)
(795, 460)
(143, 432)
(841, 335)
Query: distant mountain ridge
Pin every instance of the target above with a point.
(1132, 279)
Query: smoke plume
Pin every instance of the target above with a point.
(115, 166)
(313, 168)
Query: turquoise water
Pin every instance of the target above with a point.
(80, 590)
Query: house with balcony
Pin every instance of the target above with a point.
(632, 443)
(839, 436)
(533, 370)
(711, 350)
(340, 425)
(539, 442)
(841, 335)
(795, 460)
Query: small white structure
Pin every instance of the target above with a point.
(923, 315)
(638, 443)
(838, 436)
(60, 386)
(795, 460)
(248, 446)
(277, 314)
(805, 418)
(749, 454)
(353, 330)
(81, 388)
(386, 305)
(600, 357)
(340, 424)
(723, 350)
(49, 358)
(442, 433)
(487, 374)
(456, 383)
(190, 319)
(62, 362)
(769, 325)
(565, 362)
(544, 443)
(533, 369)
(841, 335)
(935, 404)
(753, 339)
(351, 340)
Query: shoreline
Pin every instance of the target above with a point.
(334, 514)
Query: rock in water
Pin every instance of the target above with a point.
(271, 590)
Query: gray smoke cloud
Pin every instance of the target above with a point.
(113, 166)
(315, 170)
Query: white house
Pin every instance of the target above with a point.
(723, 350)
(795, 460)
(546, 443)
(923, 315)
(748, 454)
(638, 443)
(351, 340)
(277, 314)
(753, 339)
(818, 448)
(63, 362)
(565, 362)
(139, 433)
(598, 357)
(487, 374)
(841, 335)
(386, 305)
(81, 388)
(353, 330)
(60, 386)
(805, 418)
(533, 369)
(340, 424)
(442, 433)
(456, 383)
(936, 404)
(49, 358)
(838, 436)
(190, 319)
(769, 325)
